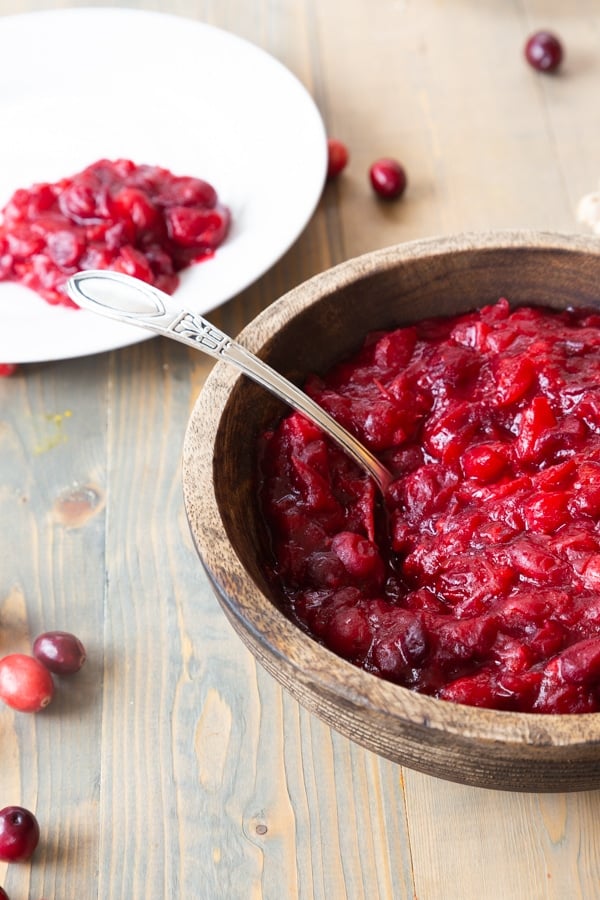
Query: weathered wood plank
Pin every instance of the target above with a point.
(52, 570)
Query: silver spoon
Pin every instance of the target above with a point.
(134, 302)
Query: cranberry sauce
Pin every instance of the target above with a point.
(141, 220)
(483, 587)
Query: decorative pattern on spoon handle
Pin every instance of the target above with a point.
(197, 329)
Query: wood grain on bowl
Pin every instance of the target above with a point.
(308, 330)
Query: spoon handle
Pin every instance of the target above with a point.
(134, 302)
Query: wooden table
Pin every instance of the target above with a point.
(172, 766)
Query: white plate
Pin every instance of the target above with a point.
(81, 84)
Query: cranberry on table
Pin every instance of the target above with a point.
(7, 369)
(388, 178)
(337, 157)
(544, 51)
(25, 683)
(60, 652)
(19, 834)
(3, 894)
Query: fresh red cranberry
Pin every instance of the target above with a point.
(388, 178)
(337, 157)
(25, 684)
(3, 894)
(60, 651)
(19, 834)
(7, 369)
(544, 51)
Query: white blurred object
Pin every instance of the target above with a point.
(588, 211)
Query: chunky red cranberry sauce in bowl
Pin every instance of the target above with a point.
(479, 580)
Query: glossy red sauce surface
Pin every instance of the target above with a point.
(481, 584)
(137, 219)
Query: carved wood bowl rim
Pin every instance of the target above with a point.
(487, 748)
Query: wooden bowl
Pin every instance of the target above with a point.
(305, 331)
